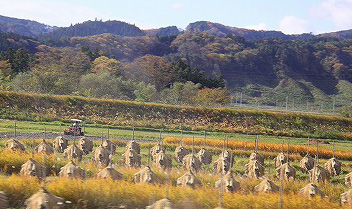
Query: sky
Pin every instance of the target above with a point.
(288, 16)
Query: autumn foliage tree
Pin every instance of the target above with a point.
(210, 97)
(105, 64)
(151, 69)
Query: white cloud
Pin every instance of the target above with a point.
(339, 11)
(48, 12)
(260, 26)
(294, 25)
(177, 6)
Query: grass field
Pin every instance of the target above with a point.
(116, 132)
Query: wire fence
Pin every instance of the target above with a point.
(278, 102)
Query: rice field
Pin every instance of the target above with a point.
(106, 193)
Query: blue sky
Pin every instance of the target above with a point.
(289, 16)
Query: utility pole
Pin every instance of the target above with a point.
(286, 102)
(321, 107)
(241, 97)
(333, 105)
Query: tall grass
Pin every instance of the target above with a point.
(99, 193)
(266, 148)
(104, 193)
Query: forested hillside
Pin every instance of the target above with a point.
(117, 60)
(90, 28)
(23, 27)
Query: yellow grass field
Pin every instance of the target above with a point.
(105, 193)
(266, 148)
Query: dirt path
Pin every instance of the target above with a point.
(53, 135)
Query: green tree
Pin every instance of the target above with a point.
(104, 85)
(181, 93)
(145, 92)
(52, 78)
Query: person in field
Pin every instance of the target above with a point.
(14, 144)
(32, 168)
(44, 199)
(60, 144)
(146, 175)
(266, 185)
(73, 152)
(44, 147)
(86, 145)
(228, 182)
(72, 170)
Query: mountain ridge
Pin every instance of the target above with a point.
(24, 27)
(35, 29)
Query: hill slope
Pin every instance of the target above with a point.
(340, 35)
(39, 107)
(23, 27)
(90, 28)
(220, 30)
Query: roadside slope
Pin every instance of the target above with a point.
(40, 107)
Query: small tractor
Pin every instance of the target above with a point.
(74, 129)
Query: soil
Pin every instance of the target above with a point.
(319, 141)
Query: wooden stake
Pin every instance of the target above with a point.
(159, 136)
(181, 142)
(108, 132)
(282, 146)
(15, 130)
(288, 145)
(308, 146)
(333, 150)
(133, 134)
